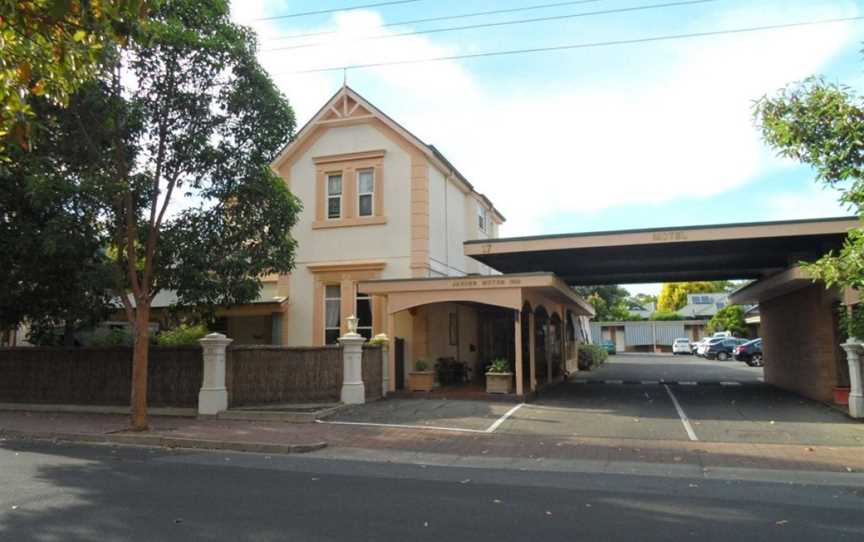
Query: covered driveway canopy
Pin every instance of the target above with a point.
(718, 252)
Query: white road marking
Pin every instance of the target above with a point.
(613, 381)
(687, 383)
(502, 419)
(491, 429)
(681, 414)
(730, 383)
(650, 382)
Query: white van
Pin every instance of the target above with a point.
(722, 335)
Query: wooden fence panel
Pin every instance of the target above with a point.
(98, 376)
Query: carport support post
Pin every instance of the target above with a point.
(532, 345)
(213, 397)
(353, 390)
(854, 351)
(517, 354)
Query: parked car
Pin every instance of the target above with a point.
(722, 349)
(681, 346)
(722, 335)
(609, 346)
(705, 343)
(750, 353)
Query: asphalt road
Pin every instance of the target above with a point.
(65, 492)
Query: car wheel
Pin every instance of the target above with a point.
(757, 360)
(722, 356)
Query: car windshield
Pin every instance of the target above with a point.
(682, 341)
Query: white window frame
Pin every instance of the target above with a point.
(482, 218)
(330, 196)
(338, 326)
(371, 194)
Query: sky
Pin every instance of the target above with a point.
(652, 134)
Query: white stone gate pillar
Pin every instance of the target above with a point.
(353, 390)
(213, 397)
(854, 353)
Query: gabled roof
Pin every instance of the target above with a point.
(347, 106)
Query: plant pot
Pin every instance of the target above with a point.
(421, 380)
(499, 382)
(841, 396)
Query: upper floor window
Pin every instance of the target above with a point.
(365, 192)
(482, 218)
(334, 196)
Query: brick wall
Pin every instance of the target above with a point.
(800, 342)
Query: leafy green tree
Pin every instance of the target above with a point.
(49, 48)
(729, 318)
(821, 124)
(184, 110)
(609, 301)
(673, 295)
(55, 271)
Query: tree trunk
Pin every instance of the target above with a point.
(68, 334)
(140, 355)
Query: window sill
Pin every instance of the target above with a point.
(349, 222)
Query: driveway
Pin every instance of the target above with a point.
(653, 397)
(682, 398)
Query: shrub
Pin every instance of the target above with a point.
(591, 356)
(420, 365)
(110, 337)
(499, 366)
(182, 335)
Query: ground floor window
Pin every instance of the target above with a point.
(364, 315)
(332, 316)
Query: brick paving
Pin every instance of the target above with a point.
(703, 454)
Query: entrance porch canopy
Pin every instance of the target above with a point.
(513, 291)
(508, 291)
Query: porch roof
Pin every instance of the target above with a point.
(509, 291)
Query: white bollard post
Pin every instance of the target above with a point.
(384, 341)
(353, 390)
(856, 378)
(213, 397)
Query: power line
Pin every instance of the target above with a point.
(669, 37)
(334, 10)
(443, 18)
(504, 23)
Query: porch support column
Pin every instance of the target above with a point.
(391, 352)
(517, 346)
(532, 345)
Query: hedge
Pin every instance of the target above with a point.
(591, 356)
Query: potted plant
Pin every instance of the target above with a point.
(499, 378)
(421, 378)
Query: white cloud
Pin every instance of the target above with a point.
(814, 202)
(680, 127)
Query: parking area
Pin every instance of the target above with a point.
(640, 397)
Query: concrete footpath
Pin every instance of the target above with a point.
(441, 447)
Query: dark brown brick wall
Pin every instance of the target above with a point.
(801, 343)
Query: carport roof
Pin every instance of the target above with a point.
(711, 252)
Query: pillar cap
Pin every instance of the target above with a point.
(215, 338)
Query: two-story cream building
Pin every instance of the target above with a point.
(384, 220)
